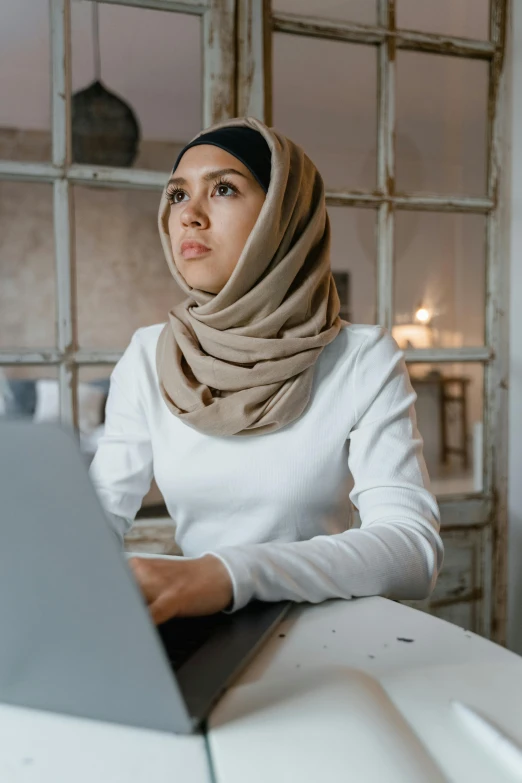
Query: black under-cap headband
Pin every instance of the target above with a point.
(245, 144)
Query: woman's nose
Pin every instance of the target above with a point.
(194, 215)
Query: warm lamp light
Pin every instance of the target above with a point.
(417, 333)
(423, 315)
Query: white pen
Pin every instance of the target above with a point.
(502, 747)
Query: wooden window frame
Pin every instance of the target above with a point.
(218, 46)
(484, 511)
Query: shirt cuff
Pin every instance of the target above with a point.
(242, 586)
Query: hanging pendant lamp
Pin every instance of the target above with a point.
(105, 130)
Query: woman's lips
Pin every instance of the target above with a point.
(192, 249)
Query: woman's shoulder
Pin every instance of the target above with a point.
(137, 364)
(364, 341)
(147, 336)
(364, 353)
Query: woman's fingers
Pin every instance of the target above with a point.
(146, 577)
(182, 588)
(161, 610)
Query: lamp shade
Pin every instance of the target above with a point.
(105, 130)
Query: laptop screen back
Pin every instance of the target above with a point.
(75, 634)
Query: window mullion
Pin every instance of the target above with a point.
(184, 7)
(385, 166)
(254, 54)
(496, 371)
(63, 237)
(470, 353)
(338, 30)
(219, 61)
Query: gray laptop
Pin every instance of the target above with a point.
(75, 633)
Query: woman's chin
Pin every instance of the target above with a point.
(204, 285)
(194, 280)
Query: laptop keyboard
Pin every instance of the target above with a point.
(182, 636)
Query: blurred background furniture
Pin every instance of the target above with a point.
(453, 412)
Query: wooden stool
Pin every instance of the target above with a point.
(458, 397)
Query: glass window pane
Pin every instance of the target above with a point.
(441, 124)
(29, 392)
(153, 532)
(449, 407)
(122, 276)
(25, 81)
(27, 295)
(353, 253)
(93, 387)
(359, 11)
(319, 105)
(460, 18)
(440, 272)
(163, 91)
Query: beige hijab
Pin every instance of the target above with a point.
(241, 362)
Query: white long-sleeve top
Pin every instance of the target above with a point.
(275, 507)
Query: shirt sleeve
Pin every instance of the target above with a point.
(122, 470)
(397, 552)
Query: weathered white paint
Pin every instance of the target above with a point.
(515, 372)
(385, 166)
(254, 60)
(219, 61)
(298, 24)
(185, 7)
(496, 371)
(65, 277)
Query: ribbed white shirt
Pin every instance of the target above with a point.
(276, 507)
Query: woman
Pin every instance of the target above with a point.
(256, 408)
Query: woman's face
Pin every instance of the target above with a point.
(215, 202)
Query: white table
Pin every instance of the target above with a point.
(304, 704)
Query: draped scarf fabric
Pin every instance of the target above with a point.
(241, 362)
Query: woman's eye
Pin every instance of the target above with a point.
(176, 196)
(222, 190)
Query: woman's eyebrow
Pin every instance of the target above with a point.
(208, 176)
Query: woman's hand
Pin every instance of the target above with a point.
(182, 588)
